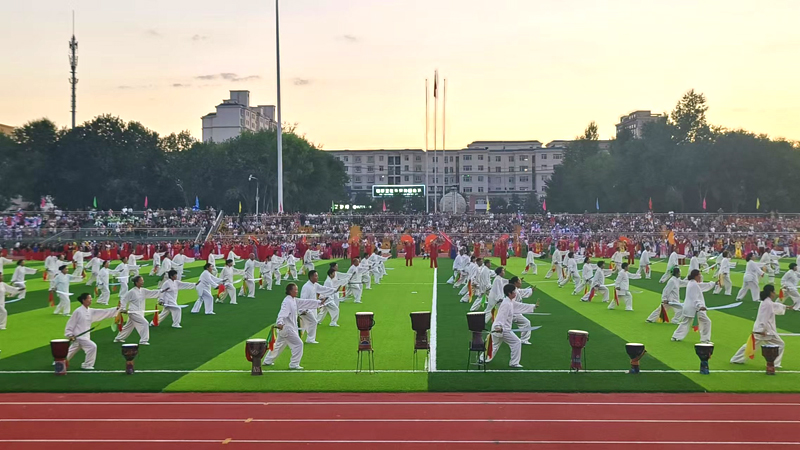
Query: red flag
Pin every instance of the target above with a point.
(650, 203)
(544, 205)
(704, 203)
(384, 206)
(145, 202)
(43, 202)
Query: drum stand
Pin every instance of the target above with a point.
(370, 361)
(480, 354)
(583, 362)
(427, 358)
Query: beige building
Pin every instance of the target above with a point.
(8, 130)
(234, 116)
(635, 122)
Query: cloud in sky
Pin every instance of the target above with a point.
(350, 38)
(301, 81)
(228, 76)
(199, 37)
(153, 33)
(179, 85)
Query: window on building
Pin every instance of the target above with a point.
(497, 169)
(358, 187)
(358, 179)
(451, 159)
(510, 179)
(417, 179)
(544, 156)
(467, 157)
(380, 168)
(480, 188)
(370, 179)
(467, 168)
(466, 178)
(496, 159)
(467, 189)
(358, 169)
(370, 159)
(480, 177)
(418, 158)
(370, 169)
(480, 157)
(417, 168)
(556, 156)
(523, 179)
(523, 188)
(523, 168)
(405, 157)
(510, 168)
(405, 168)
(380, 158)
(523, 158)
(346, 158)
(480, 168)
(511, 159)
(358, 159)
(544, 166)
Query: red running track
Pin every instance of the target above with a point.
(397, 421)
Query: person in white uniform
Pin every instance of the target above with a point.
(470, 279)
(169, 298)
(61, 285)
(724, 271)
(587, 273)
(4, 261)
(765, 331)
(671, 298)
(355, 281)
(597, 284)
(555, 265)
(6, 289)
(123, 274)
(156, 263)
(377, 268)
(77, 258)
(204, 286)
(572, 271)
(233, 256)
(249, 283)
(227, 280)
(616, 259)
(460, 264)
(103, 277)
(286, 323)
(277, 263)
(331, 302)
(789, 283)
(695, 303)
(623, 288)
(308, 260)
(520, 320)
(672, 262)
(265, 269)
(530, 262)
(212, 259)
(291, 264)
(495, 292)
(312, 290)
(179, 260)
(133, 264)
(483, 284)
(503, 323)
(18, 278)
(752, 272)
(94, 267)
(134, 303)
(79, 326)
(644, 262)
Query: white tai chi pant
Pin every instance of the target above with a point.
(465, 292)
(554, 268)
(292, 271)
(704, 324)
(594, 292)
(752, 288)
(205, 300)
(579, 284)
(667, 274)
(105, 294)
(644, 270)
(726, 282)
(287, 336)
(739, 357)
(677, 313)
(135, 320)
(22, 291)
(575, 279)
(176, 315)
(522, 322)
(123, 288)
(625, 297)
(332, 307)
(85, 344)
(63, 304)
(91, 278)
(490, 304)
(476, 304)
(251, 288)
(355, 291)
(533, 269)
(266, 281)
(792, 293)
(514, 343)
(308, 322)
(51, 276)
(229, 291)
(3, 317)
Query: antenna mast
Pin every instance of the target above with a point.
(73, 64)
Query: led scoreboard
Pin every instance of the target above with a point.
(390, 190)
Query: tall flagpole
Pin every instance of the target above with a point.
(280, 124)
(436, 163)
(444, 131)
(427, 184)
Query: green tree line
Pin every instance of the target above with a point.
(678, 163)
(121, 163)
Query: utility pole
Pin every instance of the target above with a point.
(280, 124)
(73, 64)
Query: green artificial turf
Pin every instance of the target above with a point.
(208, 353)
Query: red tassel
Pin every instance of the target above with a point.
(780, 294)
(155, 318)
(220, 289)
(50, 299)
(591, 295)
(44, 275)
(616, 299)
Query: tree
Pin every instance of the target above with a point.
(689, 118)
(532, 204)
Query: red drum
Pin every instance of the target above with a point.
(255, 349)
(60, 349)
(577, 340)
(770, 353)
(365, 321)
(421, 323)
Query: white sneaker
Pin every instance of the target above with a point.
(87, 367)
(334, 325)
(295, 368)
(210, 313)
(267, 364)
(526, 343)
(312, 342)
(516, 366)
(177, 326)
(144, 343)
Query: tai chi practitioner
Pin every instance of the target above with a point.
(724, 265)
(765, 331)
(265, 269)
(212, 259)
(503, 322)
(672, 263)
(18, 278)
(178, 262)
(789, 283)
(752, 272)
(671, 298)
(78, 259)
(61, 283)
(312, 290)
(520, 320)
(291, 263)
(471, 274)
(133, 263)
(94, 267)
(457, 265)
(249, 283)
(277, 263)
(308, 260)
(483, 284)
(134, 303)
(123, 274)
(227, 281)
(587, 273)
(597, 284)
(616, 259)
(377, 268)
(233, 257)
(555, 265)
(163, 269)
(51, 265)
(644, 262)
(156, 263)
(530, 263)
(4, 261)
(204, 286)
(5, 290)
(78, 329)
(103, 277)
(287, 325)
(695, 303)
(768, 261)
(495, 292)
(331, 304)
(169, 298)
(354, 279)
(622, 287)
(572, 271)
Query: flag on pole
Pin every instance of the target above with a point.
(758, 203)
(597, 203)
(650, 203)
(196, 202)
(750, 348)
(384, 206)
(94, 203)
(487, 203)
(704, 203)
(240, 207)
(435, 83)
(42, 205)
(145, 202)
(544, 205)
(333, 205)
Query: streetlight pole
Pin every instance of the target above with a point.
(280, 130)
(257, 199)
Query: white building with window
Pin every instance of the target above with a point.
(235, 115)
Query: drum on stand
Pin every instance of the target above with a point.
(476, 321)
(364, 322)
(577, 340)
(770, 353)
(129, 351)
(60, 350)
(254, 350)
(421, 323)
(704, 352)
(635, 353)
